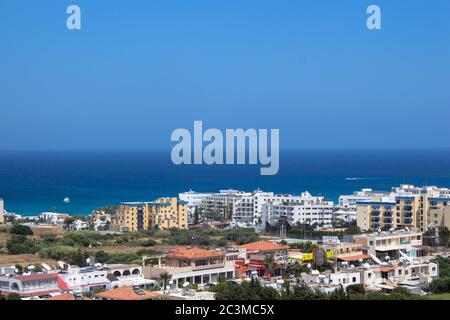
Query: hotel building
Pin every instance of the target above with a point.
(165, 213)
(303, 209)
(414, 212)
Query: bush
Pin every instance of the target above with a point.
(70, 255)
(20, 229)
(356, 289)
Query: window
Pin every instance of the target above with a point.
(354, 279)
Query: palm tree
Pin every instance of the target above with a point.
(164, 277)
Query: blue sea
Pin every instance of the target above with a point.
(36, 181)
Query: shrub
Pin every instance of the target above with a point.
(19, 244)
(20, 229)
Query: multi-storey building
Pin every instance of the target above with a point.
(193, 200)
(417, 211)
(222, 203)
(364, 195)
(303, 209)
(165, 213)
(407, 244)
(130, 217)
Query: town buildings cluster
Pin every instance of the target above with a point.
(380, 261)
(390, 252)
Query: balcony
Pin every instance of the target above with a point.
(375, 220)
(387, 214)
(387, 220)
(375, 213)
(407, 214)
(408, 221)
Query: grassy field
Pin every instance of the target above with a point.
(442, 296)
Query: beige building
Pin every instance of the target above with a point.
(129, 217)
(376, 215)
(165, 213)
(439, 215)
(414, 212)
(2, 216)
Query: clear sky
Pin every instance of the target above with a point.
(139, 69)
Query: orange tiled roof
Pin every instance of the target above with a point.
(63, 296)
(354, 257)
(127, 293)
(194, 253)
(263, 246)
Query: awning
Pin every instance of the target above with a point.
(386, 269)
(384, 286)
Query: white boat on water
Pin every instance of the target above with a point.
(66, 200)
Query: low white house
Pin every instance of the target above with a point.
(79, 225)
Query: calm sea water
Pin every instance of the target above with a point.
(32, 182)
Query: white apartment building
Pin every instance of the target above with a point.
(430, 191)
(347, 214)
(53, 217)
(303, 209)
(222, 202)
(193, 200)
(248, 209)
(78, 225)
(364, 195)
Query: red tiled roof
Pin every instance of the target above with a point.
(127, 293)
(263, 246)
(34, 277)
(194, 253)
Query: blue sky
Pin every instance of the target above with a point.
(139, 69)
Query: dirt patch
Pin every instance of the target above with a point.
(38, 231)
(125, 249)
(23, 259)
